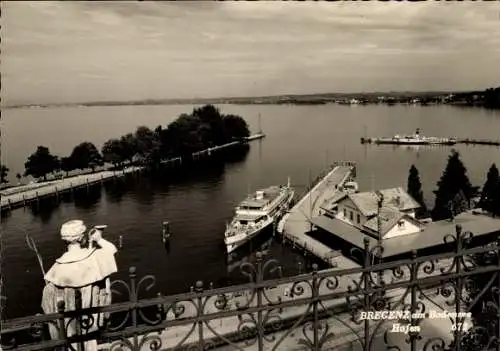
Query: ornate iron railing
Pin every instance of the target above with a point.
(448, 301)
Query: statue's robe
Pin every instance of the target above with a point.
(86, 270)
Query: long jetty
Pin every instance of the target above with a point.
(445, 141)
(22, 196)
(295, 224)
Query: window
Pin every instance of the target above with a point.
(401, 224)
(345, 213)
(358, 218)
(351, 217)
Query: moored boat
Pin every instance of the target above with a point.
(257, 213)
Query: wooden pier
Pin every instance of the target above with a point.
(22, 196)
(12, 199)
(466, 141)
(295, 224)
(208, 152)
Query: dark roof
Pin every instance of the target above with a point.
(339, 195)
(367, 202)
(389, 218)
(432, 235)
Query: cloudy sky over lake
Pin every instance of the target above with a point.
(87, 51)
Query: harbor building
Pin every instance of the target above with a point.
(387, 217)
(394, 207)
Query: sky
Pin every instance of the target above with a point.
(57, 52)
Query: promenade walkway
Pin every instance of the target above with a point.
(35, 191)
(22, 195)
(297, 222)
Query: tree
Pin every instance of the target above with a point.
(86, 155)
(458, 204)
(184, 136)
(158, 131)
(492, 98)
(235, 127)
(128, 147)
(41, 163)
(3, 174)
(453, 180)
(489, 194)
(211, 125)
(113, 153)
(496, 201)
(415, 190)
(66, 165)
(165, 142)
(147, 145)
(203, 128)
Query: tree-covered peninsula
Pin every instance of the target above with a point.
(205, 127)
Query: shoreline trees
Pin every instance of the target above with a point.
(201, 129)
(415, 191)
(85, 155)
(490, 194)
(41, 163)
(454, 190)
(4, 171)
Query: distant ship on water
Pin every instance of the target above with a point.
(415, 139)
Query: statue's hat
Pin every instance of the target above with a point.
(73, 230)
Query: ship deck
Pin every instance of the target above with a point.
(270, 193)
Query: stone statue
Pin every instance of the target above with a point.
(80, 276)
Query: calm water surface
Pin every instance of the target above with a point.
(300, 141)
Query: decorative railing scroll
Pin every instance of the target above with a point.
(332, 309)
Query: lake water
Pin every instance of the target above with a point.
(300, 142)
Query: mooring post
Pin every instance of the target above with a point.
(10, 205)
(24, 201)
(165, 231)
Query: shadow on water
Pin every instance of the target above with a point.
(167, 246)
(236, 154)
(44, 209)
(5, 214)
(87, 198)
(261, 243)
(145, 184)
(208, 167)
(271, 247)
(116, 189)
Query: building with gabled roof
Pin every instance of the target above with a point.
(393, 207)
(387, 217)
(430, 240)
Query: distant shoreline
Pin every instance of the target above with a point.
(468, 98)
